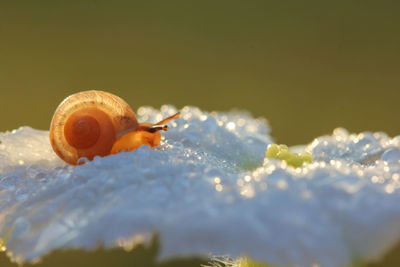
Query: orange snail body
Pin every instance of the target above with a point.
(96, 123)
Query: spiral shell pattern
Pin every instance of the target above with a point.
(86, 124)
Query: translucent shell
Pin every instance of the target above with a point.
(88, 123)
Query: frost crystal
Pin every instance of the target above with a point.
(206, 190)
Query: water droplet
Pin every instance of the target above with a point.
(231, 126)
(391, 155)
(219, 187)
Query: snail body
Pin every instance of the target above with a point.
(97, 123)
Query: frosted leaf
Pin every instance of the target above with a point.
(206, 190)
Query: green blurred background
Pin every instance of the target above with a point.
(307, 67)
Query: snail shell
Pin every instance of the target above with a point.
(87, 124)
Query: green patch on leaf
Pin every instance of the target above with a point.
(281, 152)
(247, 262)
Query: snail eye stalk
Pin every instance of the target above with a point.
(159, 126)
(156, 128)
(168, 119)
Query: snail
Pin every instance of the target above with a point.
(97, 123)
